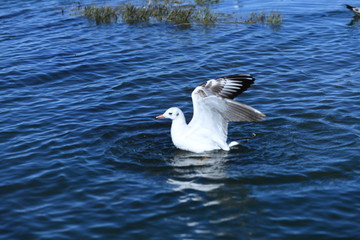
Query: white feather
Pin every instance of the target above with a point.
(212, 111)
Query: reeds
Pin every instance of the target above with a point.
(132, 14)
(101, 15)
(274, 18)
(206, 2)
(171, 11)
(178, 15)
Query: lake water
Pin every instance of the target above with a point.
(82, 156)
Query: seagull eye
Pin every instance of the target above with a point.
(170, 114)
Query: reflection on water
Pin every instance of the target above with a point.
(238, 4)
(355, 20)
(203, 181)
(198, 171)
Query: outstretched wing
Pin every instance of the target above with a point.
(228, 87)
(349, 7)
(214, 107)
(355, 10)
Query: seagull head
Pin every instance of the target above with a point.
(171, 113)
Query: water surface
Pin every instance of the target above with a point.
(83, 158)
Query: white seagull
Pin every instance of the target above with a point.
(213, 107)
(355, 10)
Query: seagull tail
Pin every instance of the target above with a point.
(233, 143)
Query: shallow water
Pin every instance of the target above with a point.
(83, 158)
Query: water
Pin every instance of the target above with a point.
(83, 158)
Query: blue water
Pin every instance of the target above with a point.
(82, 156)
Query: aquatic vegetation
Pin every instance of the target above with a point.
(101, 15)
(132, 14)
(206, 2)
(180, 16)
(256, 17)
(206, 17)
(176, 12)
(274, 18)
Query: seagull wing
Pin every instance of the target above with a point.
(230, 86)
(214, 106)
(349, 7)
(355, 10)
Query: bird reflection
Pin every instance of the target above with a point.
(198, 171)
(203, 178)
(355, 20)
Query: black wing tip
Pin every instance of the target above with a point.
(245, 78)
(348, 6)
(241, 76)
(242, 83)
(246, 81)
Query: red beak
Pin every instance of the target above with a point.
(160, 116)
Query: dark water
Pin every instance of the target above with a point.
(83, 158)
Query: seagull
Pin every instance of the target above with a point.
(213, 107)
(355, 10)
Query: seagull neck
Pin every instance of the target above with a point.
(178, 122)
(178, 129)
